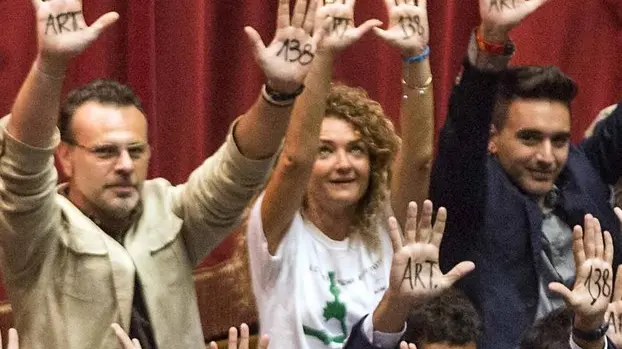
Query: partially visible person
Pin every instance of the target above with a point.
(416, 279)
(109, 245)
(319, 249)
(602, 115)
(448, 320)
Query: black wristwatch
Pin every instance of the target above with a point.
(282, 97)
(593, 335)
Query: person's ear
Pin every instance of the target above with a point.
(64, 152)
(493, 139)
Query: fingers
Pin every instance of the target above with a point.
(213, 345)
(299, 13)
(577, 245)
(13, 339)
(599, 248)
(588, 236)
(244, 336)
(123, 338)
(410, 227)
(383, 34)
(618, 212)
(563, 291)
(366, 26)
(310, 16)
(232, 340)
(254, 39)
(458, 272)
(608, 257)
(282, 15)
(439, 227)
(394, 234)
(103, 22)
(136, 343)
(617, 290)
(425, 224)
(263, 342)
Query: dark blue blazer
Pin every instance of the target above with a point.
(494, 224)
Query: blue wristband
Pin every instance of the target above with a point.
(418, 58)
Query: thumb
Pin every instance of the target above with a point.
(263, 342)
(254, 39)
(459, 271)
(563, 291)
(383, 34)
(103, 22)
(532, 5)
(367, 26)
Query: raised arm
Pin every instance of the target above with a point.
(62, 34)
(285, 62)
(415, 254)
(334, 31)
(459, 173)
(409, 32)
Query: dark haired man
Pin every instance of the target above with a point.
(108, 245)
(515, 189)
(448, 320)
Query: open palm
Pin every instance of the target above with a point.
(408, 26)
(415, 272)
(335, 22)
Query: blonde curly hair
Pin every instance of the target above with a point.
(376, 130)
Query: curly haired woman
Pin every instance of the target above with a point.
(319, 248)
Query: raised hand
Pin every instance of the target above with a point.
(415, 273)
(13, 341)
(61, 30)
(592, 290)
(232, 342)
(500, 16)
(335, 23)
(287, 60)
(408, 26)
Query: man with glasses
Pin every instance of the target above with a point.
(108, 245)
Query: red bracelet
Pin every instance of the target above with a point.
(489, 47)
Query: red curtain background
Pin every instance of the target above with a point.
(190, 63)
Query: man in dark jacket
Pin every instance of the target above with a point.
(516, 189)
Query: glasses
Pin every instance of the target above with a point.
(111, 151)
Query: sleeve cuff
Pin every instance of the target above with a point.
(247, 168)
(381, 339)
(484, 61)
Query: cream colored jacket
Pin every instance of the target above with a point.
(68, 281)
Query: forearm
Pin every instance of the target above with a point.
(391, 313)
(260, 130)
(36, 108)
(308, 112)
(412, 166)
(287, 186)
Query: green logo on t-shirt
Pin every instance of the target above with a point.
(332, 310)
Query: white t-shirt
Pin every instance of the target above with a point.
(314, 289)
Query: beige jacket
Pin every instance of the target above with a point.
(68, 281)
